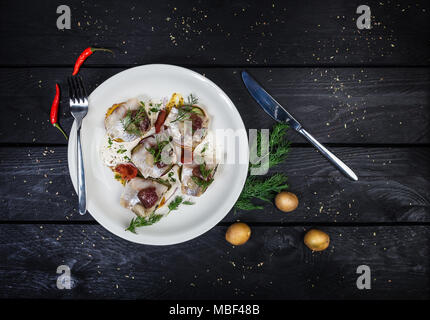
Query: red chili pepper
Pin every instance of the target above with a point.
(160, 120)
(84, 55)
(54, 110)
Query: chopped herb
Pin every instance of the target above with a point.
(205, 172)
(121, 151)
(188, 203)
(142, 221)
(163, 182)
(184, 113)
(175, 203)
(127, 158)
(263, 189)
(157, 150)
(187, 108)
(154, 109)
(131, 122)
(266, 189)
(279, 146)
(191, 100)
(110, 142)
(204, 184)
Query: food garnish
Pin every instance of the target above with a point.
(265, 189)
(175, 203)
(204, 184)
(157, 150)
(142, 221)
(54, 110)
(136, 121)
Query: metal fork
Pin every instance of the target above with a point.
(79, 109)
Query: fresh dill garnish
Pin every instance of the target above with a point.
(187, 108)
(110, 142)
(175, 203)
(279, 146)
(154, 109)
(142, 221)
(170, 175)
(263, 189)
(191, 100)
(131, 122)
(188, 203)
(157, 150)
(184, 113)
(266, 188)
(127, 158)
(121, 151)
(205, 172)
(204, 184)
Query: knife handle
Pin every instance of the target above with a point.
(330, 156)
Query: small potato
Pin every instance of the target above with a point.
(286, 201)
(238, 233)
(316, 240)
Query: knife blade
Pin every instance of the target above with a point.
(274, 109)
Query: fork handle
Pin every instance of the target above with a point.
(81, 173)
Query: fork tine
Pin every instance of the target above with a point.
(79, 94)
(75, 90)
(71, 91)
(82, 88)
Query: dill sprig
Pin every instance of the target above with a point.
(175, 204)
(279, 146)
(204, 184)
(131, 122)
(191, 100)
(156, 151)
(265, 189)
(142, 221)
(187, 108)
(153, 217)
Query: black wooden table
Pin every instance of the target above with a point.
(364, 93)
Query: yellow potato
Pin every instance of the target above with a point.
(316, 240)
(286, 201)
(238, 233)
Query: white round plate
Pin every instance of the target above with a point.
(103, 191)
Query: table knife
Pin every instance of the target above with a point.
(278, 113)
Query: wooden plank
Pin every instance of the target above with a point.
(274, 264)
(394, 186)
(340, 105)
(270, 33)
